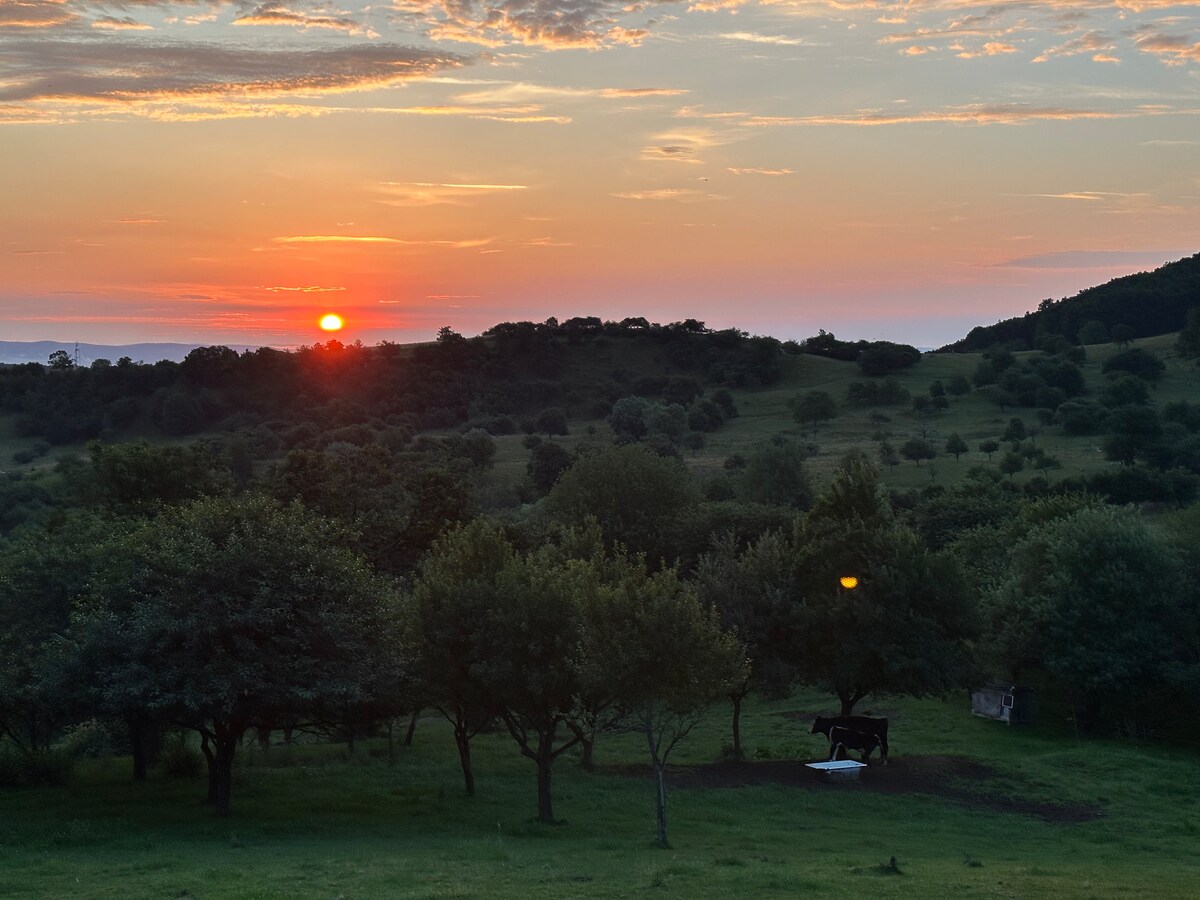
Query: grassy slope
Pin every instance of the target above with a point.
(320, 827)
(765, 413)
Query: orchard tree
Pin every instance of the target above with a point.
(906, 626)
(227, 614)
(665, 658)
(449, 631)
(917, 449)
(751, 591)
(956, 445)
(990, 446)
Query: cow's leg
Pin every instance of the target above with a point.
(883, 749)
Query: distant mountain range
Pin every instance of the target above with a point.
(39, 351)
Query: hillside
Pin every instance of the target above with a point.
(1150, 303)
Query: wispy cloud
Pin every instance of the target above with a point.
(276, 12)
(685, 195)
(754, 171)
(376, 239)
(303, 289)
(423, 193)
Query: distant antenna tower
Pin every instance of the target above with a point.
(77, 354)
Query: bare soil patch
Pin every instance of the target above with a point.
(958, 779)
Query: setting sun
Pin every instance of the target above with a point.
(331, 322)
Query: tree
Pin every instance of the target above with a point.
(775, 474)
(908, 625)
(60, 360)
(534, 633)
(627, 418)
(552, 421)
(1094, 598)
(990, 446)
(888, 455)
(884, 357)
(228, 614)
(937, 389)
(813, 407)
(1015, 430)
(1188, 345)
(1093, 331)
(636, 497)
(917, 449)
(448, 629)
(547, 461)
(959, 386)
(1139, 362)
(750, 589)
(1011, 464)
(956, 445)
(666, 659)
(1122, 335)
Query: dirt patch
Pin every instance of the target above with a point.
(959, 779)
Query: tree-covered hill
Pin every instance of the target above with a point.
(1148, 303)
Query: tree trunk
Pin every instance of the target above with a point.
(264, 738)
(210, 758)
(660, 802)
(545, 758)
(463, 740)
(737, 727)
(391, 741)
(227, 739)
(588, 744)
(412, 726)
(847, 706)
(140, 745)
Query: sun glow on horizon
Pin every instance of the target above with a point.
(331, 322)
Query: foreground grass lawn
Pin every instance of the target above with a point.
(968, 809)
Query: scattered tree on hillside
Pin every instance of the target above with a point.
(956, 445)
(813, 407)
(917, 449)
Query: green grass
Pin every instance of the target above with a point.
(325, 827)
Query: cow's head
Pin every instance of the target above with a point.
(820, 725)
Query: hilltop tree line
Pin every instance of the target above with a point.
(1162, 300)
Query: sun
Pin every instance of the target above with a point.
(331, 322)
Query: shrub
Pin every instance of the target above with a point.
(19, 769)
(178, 760)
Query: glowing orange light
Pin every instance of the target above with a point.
(331, 322)
(849, 582)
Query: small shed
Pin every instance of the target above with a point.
(1004, 702)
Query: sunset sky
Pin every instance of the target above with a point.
(227, 172)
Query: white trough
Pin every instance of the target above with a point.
(838, 769)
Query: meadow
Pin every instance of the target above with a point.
(967, 808)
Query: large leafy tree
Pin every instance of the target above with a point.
(1094, 598)
(635, 496)
(906, 627)
(226, 614)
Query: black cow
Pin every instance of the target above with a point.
(864, 724)
(848, 739)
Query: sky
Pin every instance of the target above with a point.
(227, 172)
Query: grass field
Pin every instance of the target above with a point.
(996, 813)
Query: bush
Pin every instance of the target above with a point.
(178, 760)
(21, 457)
(90, 739)
(19, 769)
